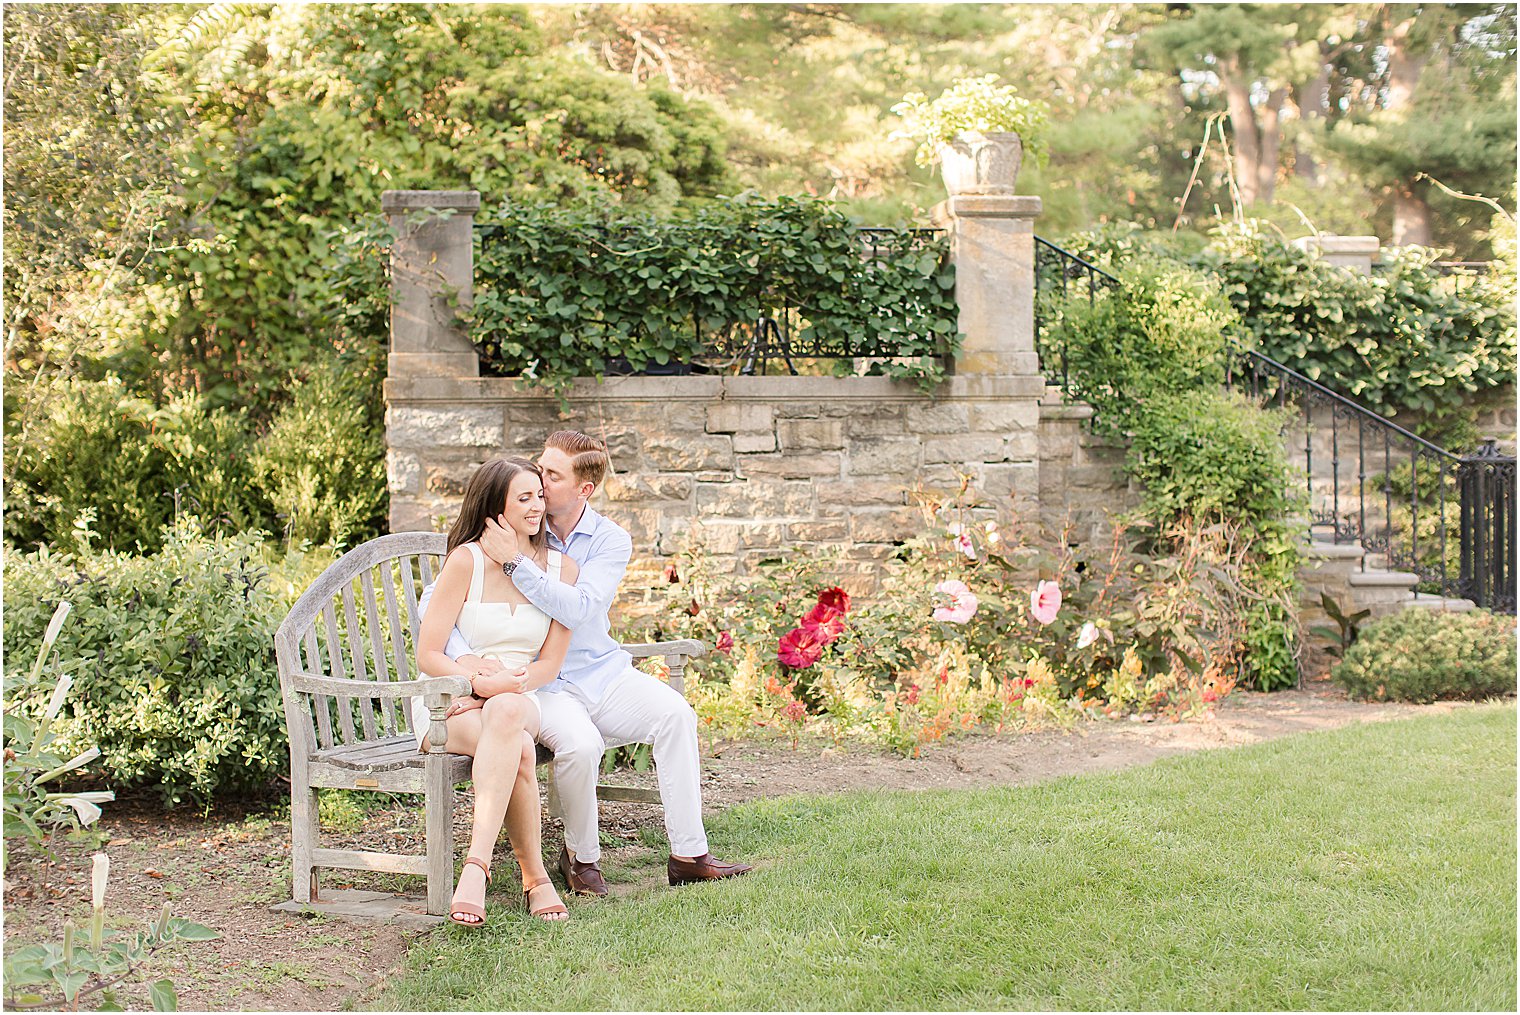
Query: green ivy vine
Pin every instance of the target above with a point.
(565, 292)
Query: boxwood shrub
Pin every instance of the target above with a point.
(1420, 655)
(172, 655)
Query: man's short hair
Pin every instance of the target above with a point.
(588, 456)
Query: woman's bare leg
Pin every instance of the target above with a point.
(494, 740)
(525, 825)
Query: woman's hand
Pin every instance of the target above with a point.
(504, 681)
(500, 541)
(515, 682)
(465, 704)
(478, 666)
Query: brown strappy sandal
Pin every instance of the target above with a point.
(547, 911)
(458, 909)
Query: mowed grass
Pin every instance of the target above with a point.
(1366, 868)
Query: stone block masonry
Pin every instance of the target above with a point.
(748, 467)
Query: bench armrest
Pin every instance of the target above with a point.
(448, 687)
(685, 647)
(437, 694)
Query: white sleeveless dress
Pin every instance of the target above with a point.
(512, 633)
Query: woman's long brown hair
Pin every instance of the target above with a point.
(485, 495)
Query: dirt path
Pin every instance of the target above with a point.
(227, 868)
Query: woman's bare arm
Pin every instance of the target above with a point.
(442, 613)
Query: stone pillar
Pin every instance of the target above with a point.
(432, 258)
(1355, 253)
(992, 244)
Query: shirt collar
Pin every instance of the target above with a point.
(586, 526)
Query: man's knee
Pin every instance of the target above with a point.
(579, 754)
(678, 719)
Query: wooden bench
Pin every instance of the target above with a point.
(346, 654)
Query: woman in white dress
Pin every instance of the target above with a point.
(514, 649)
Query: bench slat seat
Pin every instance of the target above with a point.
(346, 649)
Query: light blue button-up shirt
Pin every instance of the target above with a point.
(602, 549)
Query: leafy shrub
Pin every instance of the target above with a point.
(86, 459)
(557, 289)
(1403, 340)
(1162, 331)
(30, 759)
(322, 462)
(172, 657)
(1420, 655)
(1213, 457)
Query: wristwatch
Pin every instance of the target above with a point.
(509, 566)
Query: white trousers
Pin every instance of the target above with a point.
(636, 709)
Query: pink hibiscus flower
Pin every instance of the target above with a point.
(962, 603)
(835, 599)
(1045, 602)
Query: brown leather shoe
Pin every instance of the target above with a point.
(703, 868)
(581, 878)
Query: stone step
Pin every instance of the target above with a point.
(1446, 604)
(1325, 550)
(1376, 599)
(1382, 579)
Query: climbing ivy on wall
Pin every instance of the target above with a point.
(564, 292)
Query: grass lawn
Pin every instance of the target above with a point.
(1366, 868)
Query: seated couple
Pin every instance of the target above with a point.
(520, 608)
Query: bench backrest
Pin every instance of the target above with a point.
(358, 621)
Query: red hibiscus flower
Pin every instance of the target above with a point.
(836, 599)
(820, 615)
(725, 642)
(828, 630)
(800, 647)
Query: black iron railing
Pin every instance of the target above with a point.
(1446, 518)
(781, 335)
(1057, 273)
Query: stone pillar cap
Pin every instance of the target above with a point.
(1329, 243)
(413, 200)
(1002, 206)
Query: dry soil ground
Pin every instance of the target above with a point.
(225, 869)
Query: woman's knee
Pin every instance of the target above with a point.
(502, 711)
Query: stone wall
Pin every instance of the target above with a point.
(754, 467)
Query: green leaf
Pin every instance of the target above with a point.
(161, 993)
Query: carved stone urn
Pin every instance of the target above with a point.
(977, 163)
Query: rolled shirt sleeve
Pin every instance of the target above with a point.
(601, 571)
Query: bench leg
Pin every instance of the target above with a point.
(552, 792)
(304, 828)
(439, 819)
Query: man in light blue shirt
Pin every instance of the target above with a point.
(599, 699)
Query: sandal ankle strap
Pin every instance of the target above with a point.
(536, 884)
(481, 864)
